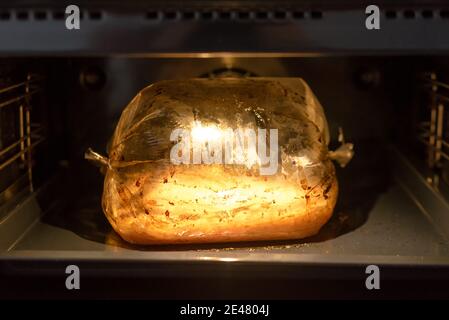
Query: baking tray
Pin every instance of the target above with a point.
(391, 216)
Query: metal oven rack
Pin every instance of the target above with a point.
(434, 132)
(19, 136)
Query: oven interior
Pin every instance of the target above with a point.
(393, 201)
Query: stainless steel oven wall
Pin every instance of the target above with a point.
(262, 27)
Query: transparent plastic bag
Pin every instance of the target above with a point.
(220, 160)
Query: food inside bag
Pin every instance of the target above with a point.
(220, 160)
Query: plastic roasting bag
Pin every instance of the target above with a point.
(220, 160)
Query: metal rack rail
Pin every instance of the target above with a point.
(434, 131)
(16, 103)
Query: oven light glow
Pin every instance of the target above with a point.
(213, 145)
(202, 133)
